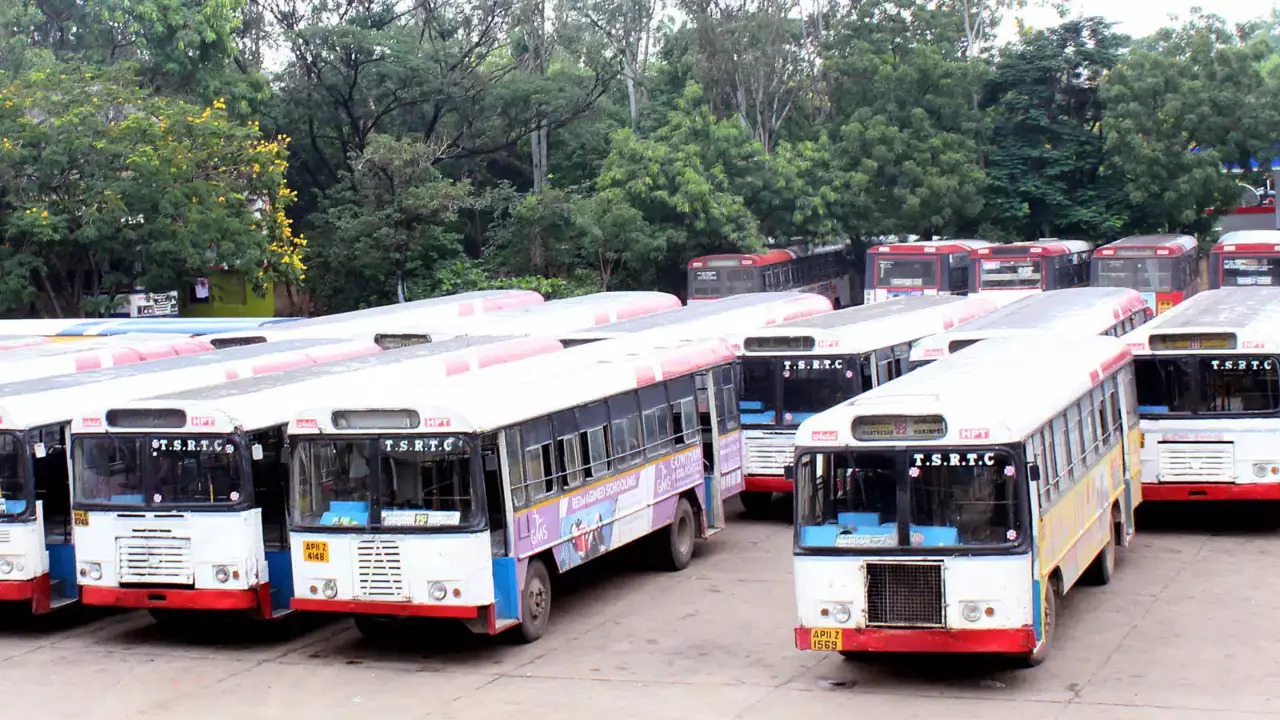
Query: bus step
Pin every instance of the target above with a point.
(280, 612)
(713, 530)
(503, 623)
(58, 601)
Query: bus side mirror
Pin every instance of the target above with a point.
(789, 473)
(1033, 473)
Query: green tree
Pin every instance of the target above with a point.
(106, 187)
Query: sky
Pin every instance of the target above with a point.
(1140, 17)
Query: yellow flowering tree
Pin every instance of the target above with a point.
(104, 187)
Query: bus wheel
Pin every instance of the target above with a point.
(376, 629)
(535, 606)
(1100, 570)
(680, 537)
(758, 505)
(1050, 625)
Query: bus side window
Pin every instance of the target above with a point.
(957, 280)
(538, 459)
(1075, 441)
(726, 398)
(1100, 415)
(593, 445)
(684, 414)
(1049, 466)
(1113, 406)
(624, 411)
(1129, 394)
(1061, 454)
(1089, 430)
(656, 419)
(513, 455)
(568, 453)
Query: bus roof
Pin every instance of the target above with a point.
(56, 399)
(1251, 314)
(266, 401)
(554, 317)
(1249, 241)
(428, 312)
(12, 342)
(868, 327)
(714, 318)
(940, 247)
(1172, 245)
(81, 327)
(743, 259)
(1074, 312)
(1044, 246)
(510, 394)
(61, 358)
(1036, 376)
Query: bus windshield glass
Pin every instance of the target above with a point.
(813, 384)
(722, 282)
(13, 486)
(759, 402)
(907, 274)
(1142, 274)
(159, 470)
(960, 497)
(1009, 274)
(1250, 271)
(394, 481)
(1208, 385)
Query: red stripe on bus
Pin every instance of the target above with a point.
(1001, 640)
(1174, 492)
(87, 362)
(366, 607)
(513, 350)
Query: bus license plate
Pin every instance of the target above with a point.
(824, 639)
(315, 551)
(80, 518)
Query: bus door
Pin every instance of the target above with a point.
(495, 458)
(1122, 403)
(269, 470)
(48, 448)
(890, 363)
(722, 440)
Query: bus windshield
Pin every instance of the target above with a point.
(904, 273)
(1143, 274)
(13, 486)
(1250, 271)
(1208, 385)
(159, 470)
(799, 386)
(393, 481)
(722, 282)
(1009, 274)
(955, 498)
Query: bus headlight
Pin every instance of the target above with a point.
(221, 574)
(95, 571)
(1261, 470)
(841, 613)
(330, 589)
(6, 566)
(971, 612)
(438, 591)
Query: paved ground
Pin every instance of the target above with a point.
(1189, 628)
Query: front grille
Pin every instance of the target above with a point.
(904, 594)
(1196, 462)
(378, 570)
(5, 535)
(144, 560)
(769, 451)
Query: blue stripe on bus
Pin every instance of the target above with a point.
(506, 593)
(1035, 610)
(80, 328)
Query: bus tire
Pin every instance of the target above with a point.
(1050, 626)
(681, 534)
(759, 505)
(1104, 565)
(535, 601)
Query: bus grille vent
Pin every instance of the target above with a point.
(155, 560)
(769, 451)
(378, 570)
(1196, 462)
(904, 594)
(5, 536)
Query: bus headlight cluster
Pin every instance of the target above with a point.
(91, 570)
(971, 612)
(1261, 470)
(6, 566)
(438, 591)
(330, 589)
(221, 573)
(841, 613)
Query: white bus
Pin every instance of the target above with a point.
(710, 318)
(796, 369)
(1209, 397)
(427, 313)
(949, 510)
(77, 328)
(37, 562)
(203, 526)
(1075, 312)
(50, 359)
(1022, 268)
(463, 500)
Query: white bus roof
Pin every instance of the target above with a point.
(1072, 312)
(943, 247)
(429, 312)
(1251, 315)
(266, 401)
(1248, 241)
(1041, 247)
(61, 358)
(58, 399)
(12, 342)
(510, 394)
(863, 328)
(92, 327)
(713, 318)
(997, 392)
(1170, 244)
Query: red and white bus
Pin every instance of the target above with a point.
(1025, 268)
(934, 267)
(1164, 268)
(825, 271)
(1245, 258)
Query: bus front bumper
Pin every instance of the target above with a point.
(1002, 640)
(1172, 492)
(767, 483)
(255, 598)
(35, 591)
(376, 607)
